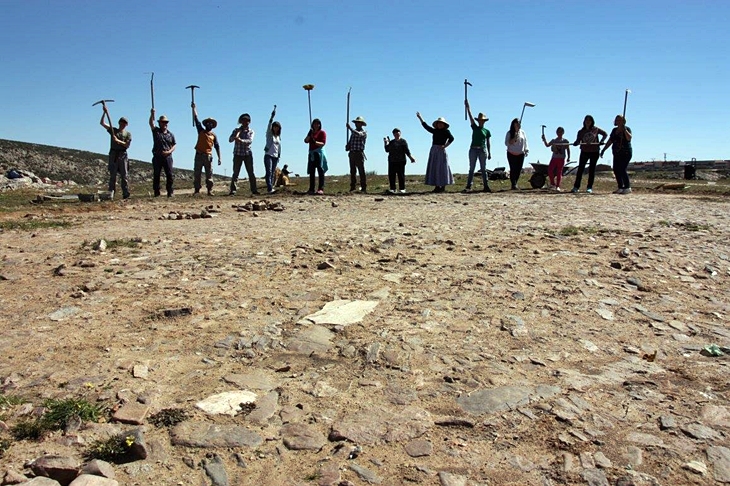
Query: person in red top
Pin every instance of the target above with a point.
(204, 152)
(317, 161)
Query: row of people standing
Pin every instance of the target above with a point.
(438, 171)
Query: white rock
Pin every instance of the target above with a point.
(341, 312)
(226, 403)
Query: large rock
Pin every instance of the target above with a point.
(206, 435)
(719, 457)
(373, 426)
(95, 467)
(60, 468)
(302, 437)
(41, 481)
(341, 312)
(503, 398)
(314, 339)
(91, 480)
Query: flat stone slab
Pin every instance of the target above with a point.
(315, 339)
(226, 403)
(341, 312)
(132, 413)
(719, 457)
(300, 437)
(206, 435)
(254, 380)
(374, 426)
(503, 398)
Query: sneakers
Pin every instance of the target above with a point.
(486, 189)
(402, 191)
(626, 191)
(210, 193)
(272, 191)
(232, 193)
(574, 190)
(320, 192)
(620, 190)
(467, 189)
(589, 191)
(391, 191)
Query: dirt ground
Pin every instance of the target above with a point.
(519, 338)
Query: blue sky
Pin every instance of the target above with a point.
(570, 59)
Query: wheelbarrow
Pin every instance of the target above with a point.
(539, 176)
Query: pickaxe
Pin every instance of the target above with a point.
(466, 83)
(192, 95)
(152, 89)
(103, 104)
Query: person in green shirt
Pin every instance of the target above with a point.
(480, 148)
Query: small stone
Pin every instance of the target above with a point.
(719, 457)
(140, 371)
(667, 422)
(450, 479)
(697, 467)
(325, 266)
(595, 477)
(634, 456)
(216, 470)
(131, 413)
(419, 448)
(183, 311)
(366, 474)
(97, 467)
(616, 265)
(624, 253)
(602, 461)
(101, 245)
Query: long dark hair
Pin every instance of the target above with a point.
(276, 124)
(316, 120)
(593, 122)
(513, 129)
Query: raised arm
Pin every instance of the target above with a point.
(152, 119)
(468, 111)
(103, 122)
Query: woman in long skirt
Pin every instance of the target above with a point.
(438, 172)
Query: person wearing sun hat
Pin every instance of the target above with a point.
(163, 146)
(207, 140)
(438, 172)
(481, 148)
(356, 153)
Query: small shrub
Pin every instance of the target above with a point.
(29, 430)
(60, 412)
(168, 417)
(10, 400)
(115, 449)
(4, 446)
(123, 243)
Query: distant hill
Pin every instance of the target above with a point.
(61, 164)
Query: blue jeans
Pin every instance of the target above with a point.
(270, 164)
(474, 153)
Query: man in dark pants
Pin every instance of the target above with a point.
(397, 152)
(356, 148)
(118, 161)
(162, 148)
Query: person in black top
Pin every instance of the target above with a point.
(438, 172)
(620, 141)
(397, 152)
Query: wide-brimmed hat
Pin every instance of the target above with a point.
(123, 120)
(163, 119)
(440, 119)
(211, 122)
(360, 119)
(482, 116)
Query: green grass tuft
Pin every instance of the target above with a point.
(115, 449)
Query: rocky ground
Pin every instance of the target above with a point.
(512, 338)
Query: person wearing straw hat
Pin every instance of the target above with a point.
(438, 172)
(481, 148)
(207, 139)
(162, 148)
(356, 153)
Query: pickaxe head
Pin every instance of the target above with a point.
(192, 86)
(543, 126)
(103, 102)
(467, 82)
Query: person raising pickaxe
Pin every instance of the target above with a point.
(121, 139)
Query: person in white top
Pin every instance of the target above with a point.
(272, 151)
(517, 150)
